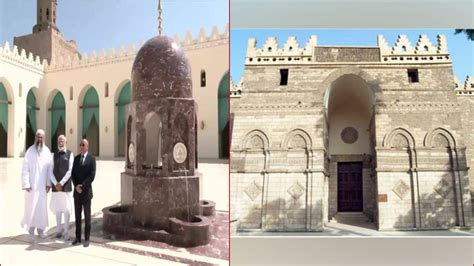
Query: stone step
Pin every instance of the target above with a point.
(350, 217)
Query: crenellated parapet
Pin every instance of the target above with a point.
(423, 51)
(466, 87)
(403, 52)
(272, 53)
(236, 88)
(189, 42)
(20, 58)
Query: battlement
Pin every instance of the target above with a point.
(15, 56)
(188, 43)
(403, 52)
(465, 88)
(236, 88)
(423, 51)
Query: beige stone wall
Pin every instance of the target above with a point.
(72, 76)
(425, 184)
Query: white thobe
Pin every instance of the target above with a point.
(37, 167)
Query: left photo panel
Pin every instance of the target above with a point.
(114, 132)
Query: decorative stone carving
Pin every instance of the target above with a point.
(400, 141)
(253, 190)
(255, 143)
(179, 152)
(131, 153)
(297, 142)
(440, 141)
(349, 135)
(401, 189)
(443, 188)
(296, 190)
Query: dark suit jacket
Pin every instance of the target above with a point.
(83, 174)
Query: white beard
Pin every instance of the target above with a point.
(39, 147)
(62, 149)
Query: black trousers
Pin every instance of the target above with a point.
(79, 203)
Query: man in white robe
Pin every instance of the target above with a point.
(61, 196)
(37, 168)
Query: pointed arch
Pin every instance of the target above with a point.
(89, 126)
(123, 97)
(57, 117)
(246, 143)
(437, 137)
(390, 140)
(31, 117)
(6, 115)
(223, 116)
(297, 132)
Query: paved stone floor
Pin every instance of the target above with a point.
(16, 249)
(361, 230)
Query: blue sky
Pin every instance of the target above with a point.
(461, 49)
(96, 24)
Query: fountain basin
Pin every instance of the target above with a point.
(115, 218)
(207, 207)
(193, 233)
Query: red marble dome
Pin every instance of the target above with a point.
(161, 70)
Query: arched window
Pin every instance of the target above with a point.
(154, 139)
(47, 13)
(203, 78)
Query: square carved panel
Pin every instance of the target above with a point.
(401, 189)
(253, 190)
(443, 188)
(296, 190)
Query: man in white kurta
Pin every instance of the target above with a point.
(37, 168)
(61, 197)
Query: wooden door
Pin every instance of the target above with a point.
(349, 187)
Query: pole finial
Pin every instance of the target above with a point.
(160, 18)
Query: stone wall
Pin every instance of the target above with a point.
(417, 175)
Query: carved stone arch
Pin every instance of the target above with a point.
(439, 137)
(300, 134)
(333, 76)
(396, 137)
(246, 143)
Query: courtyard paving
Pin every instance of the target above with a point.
(15, 249)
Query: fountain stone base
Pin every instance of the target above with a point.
(165, 209)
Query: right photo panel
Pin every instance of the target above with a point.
(351, 132)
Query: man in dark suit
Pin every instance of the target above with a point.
(83, 173)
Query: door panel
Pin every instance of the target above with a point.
(349, 187)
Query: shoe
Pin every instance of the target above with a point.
(66, 237)
(31, 237)
(58, 235)
(41, 234)
(86, 243)
(76, 242)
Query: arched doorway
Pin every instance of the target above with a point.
(223, 112)
(3, 121)
(31, 125)
(349, 104)
(91, 120)
(122, 102)
(58, 119)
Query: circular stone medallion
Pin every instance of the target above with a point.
(349, 135)
(180, 152)
(131, 153)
